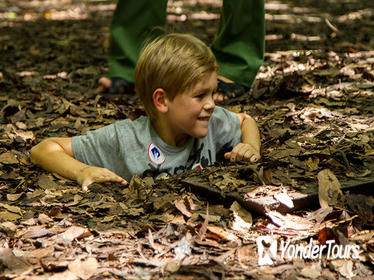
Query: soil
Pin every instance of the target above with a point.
(313, 100)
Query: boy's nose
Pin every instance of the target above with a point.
(210, 104)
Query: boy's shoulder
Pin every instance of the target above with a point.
(138, 126)
(123, 127)
(222, 114)
(140, 121)
(223, 120)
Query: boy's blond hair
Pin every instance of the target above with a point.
(174, 62)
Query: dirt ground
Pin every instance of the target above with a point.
(313, 100)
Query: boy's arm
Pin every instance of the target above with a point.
(56, 155)
(249, 148)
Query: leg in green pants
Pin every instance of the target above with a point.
(240, 41)
(132, 23)
(238, 46)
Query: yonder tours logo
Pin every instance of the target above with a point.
(267, 249)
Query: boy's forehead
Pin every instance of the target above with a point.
(207, 81)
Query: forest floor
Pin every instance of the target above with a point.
(313, 100)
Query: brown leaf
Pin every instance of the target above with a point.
(267, 175)
(24, 135)
(8, 158)
(204, 226)
(84, 269)
(9, 260)
(45, 182)
(139, 188)
(326, 234)
(70, 234)
(14, 197)
(220, 235)
(42, 252)
(312, 163)
(320, 214)
(282, 153)
(11, 208)
(8, 228)
(179, 204)
(36, 232)
(183, 247)
(289, 221)
(55, 212)
(312, 271)
(331, 72)
(362, 205)
(344, 267)
(164, 202)
(242, 218)
(191, 206)
(9, 216)
(44, 219)
(284, 198)
(172, 266)
(53, 266)
(329, 191)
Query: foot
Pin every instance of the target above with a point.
(227, 89)
(115, 86)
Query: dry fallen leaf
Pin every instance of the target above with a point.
(329, 191)
(183, 247)
(44, 219)
(181, 206)
(344, 267)
(8, 158)
(289, 221)
(45, 182)
(15, 264)
(70, 234)
(312, 271)
(242, 218)
(284, 198)
(13, 197)
(307, 103)
(36, 232)
(9, 216)
(11, 208)
(84, 269)
(41, 252)
(8, 228)
(319, 215)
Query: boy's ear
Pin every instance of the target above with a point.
(160, 100)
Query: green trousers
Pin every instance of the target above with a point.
(238, 46)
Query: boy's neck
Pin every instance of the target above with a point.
(166, 134)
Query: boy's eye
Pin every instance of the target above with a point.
(204, 94)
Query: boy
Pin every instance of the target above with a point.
(175, 78)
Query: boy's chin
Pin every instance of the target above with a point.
(200, 134)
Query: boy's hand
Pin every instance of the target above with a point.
(92, 174)
(243, 152)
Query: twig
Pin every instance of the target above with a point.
(329, 24)
(204, 227)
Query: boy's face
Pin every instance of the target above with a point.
(189, 112)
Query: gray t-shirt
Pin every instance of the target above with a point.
(133, 147)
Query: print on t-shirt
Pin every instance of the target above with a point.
(155, 154)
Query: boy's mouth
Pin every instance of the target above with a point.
(204, 118)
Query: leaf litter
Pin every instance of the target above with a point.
(313, 101)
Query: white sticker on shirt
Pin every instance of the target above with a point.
(155, 154)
